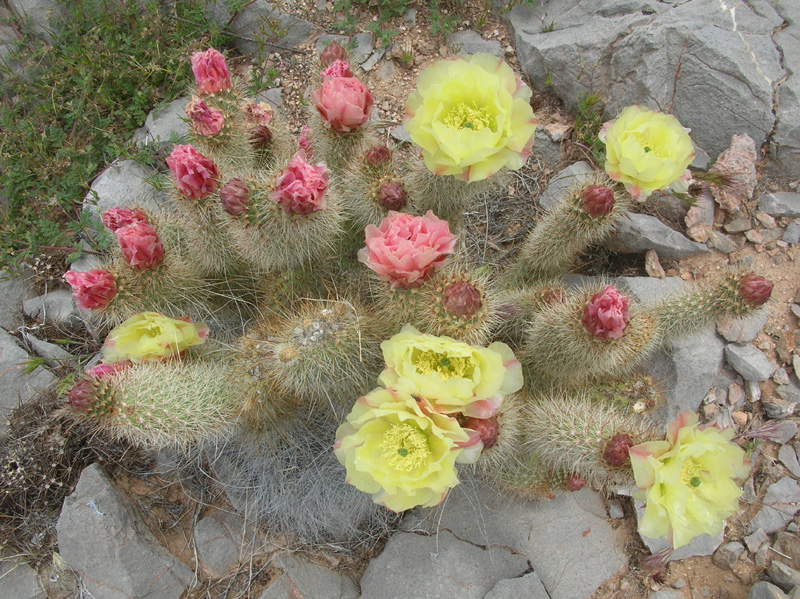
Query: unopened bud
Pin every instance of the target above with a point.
(377, 156)
(392, 195)
(462, 299)
(615, 453)
(574, 483)
(598, 200)
(235, 197)
(332, 52)
(260, 136)
(82, 395)
(487, 428)
(754, 289)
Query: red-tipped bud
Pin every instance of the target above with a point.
(574, 483)
(260, 136)
(332, 52)
(82, 395)
(462, 299)
(754, 290)
(606, 315)
(615, 453)
(487, 428)
(235, 197)
(377, 156)
(392, 195)
(598, 200)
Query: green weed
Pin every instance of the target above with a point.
(588, 123)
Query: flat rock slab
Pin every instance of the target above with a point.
(470, 42)
(16, 387)
(308, 580)
(780, 503)
(638, 233)
(527, 587)
(782, 203)
(439, 566)
(13, 291)
(166, 123)
(19, 581)
(124, 183)
(572, 176)
(568, 540)
(749, 361)
(101, 536)
(223, 540)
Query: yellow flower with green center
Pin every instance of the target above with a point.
(687, 480)
(452, 375)
(471, 116)
(394, 448)
(151, 336)
(646, 151)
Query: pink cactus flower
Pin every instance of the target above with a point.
(462, 299)
(257, 113)
(195, 175)
(210, 72)
(92, 290)
(141, 246)
(487, 428)
(406, 249)
(101, 370)
(606, 315)
(301, 187)
(338, 68)
(304, 141)
(117, 217)
(206, 121)
(332, 53)
(235, 197)
(344, 103)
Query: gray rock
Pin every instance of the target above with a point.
(305, 579)
(777, 408)
(698, 546)
(666, 594)
(638, 233)
(434, 564)
(727, 555)
(260, 25)
(615, 511)
(782, 575)
(721, 242)
(124, 183)
(373, 59)
(785, 145)
(16, 387)
(545, 149)
(661, 55)
(470, 42)
(792, 233)
(570, 177)
(742, 330)
(752, 390)
(55, 355)
(101, 536)
(790, 392)
(688, 369)
(784, 432)
(749, 361)
(788, 457)
(54, 307)
(780, 377)
(740, 224)
(528, 586)
(756, 540)
(38, 13)
(13, 291)
(778, 508)
(781, 203)
(765, 590)
(569, 534)
(19, 581)
(221, 540)
(400, 134)
(167, 123)
(273, 96)
(649, 290)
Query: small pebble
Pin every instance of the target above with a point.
(780, 377)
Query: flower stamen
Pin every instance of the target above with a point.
(446, 366)
(405, 447)
(463, 116)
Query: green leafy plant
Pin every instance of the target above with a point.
(588, 122)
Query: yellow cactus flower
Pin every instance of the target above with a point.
(452, 375)
(471, 116)
(401, 455)
(151, 336)
(687, 480)
(646, 151)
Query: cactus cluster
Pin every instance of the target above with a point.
(308, 254)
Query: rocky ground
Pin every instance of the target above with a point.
(154, 529)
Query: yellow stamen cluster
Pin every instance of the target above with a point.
(445, 366)
(463, 116)
(405, 447)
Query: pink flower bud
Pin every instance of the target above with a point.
(92, 290)
(486, 427)
(377, 156)
(574, 483)
(304, 141)
(195, 175)
(301, 187)
(615, 453)
(141, 246)
(260, 136)
(339, 68)
(598, 200)
(406, 249)
(392, 195)
(235, 197)
(114, 218)
(344, 103)
(82, 395)
(101, 370)
(331, 53)
(754, 290)
(606, 315)
(210, 72)
(205, 121)
(257, 113)
(462, 299)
